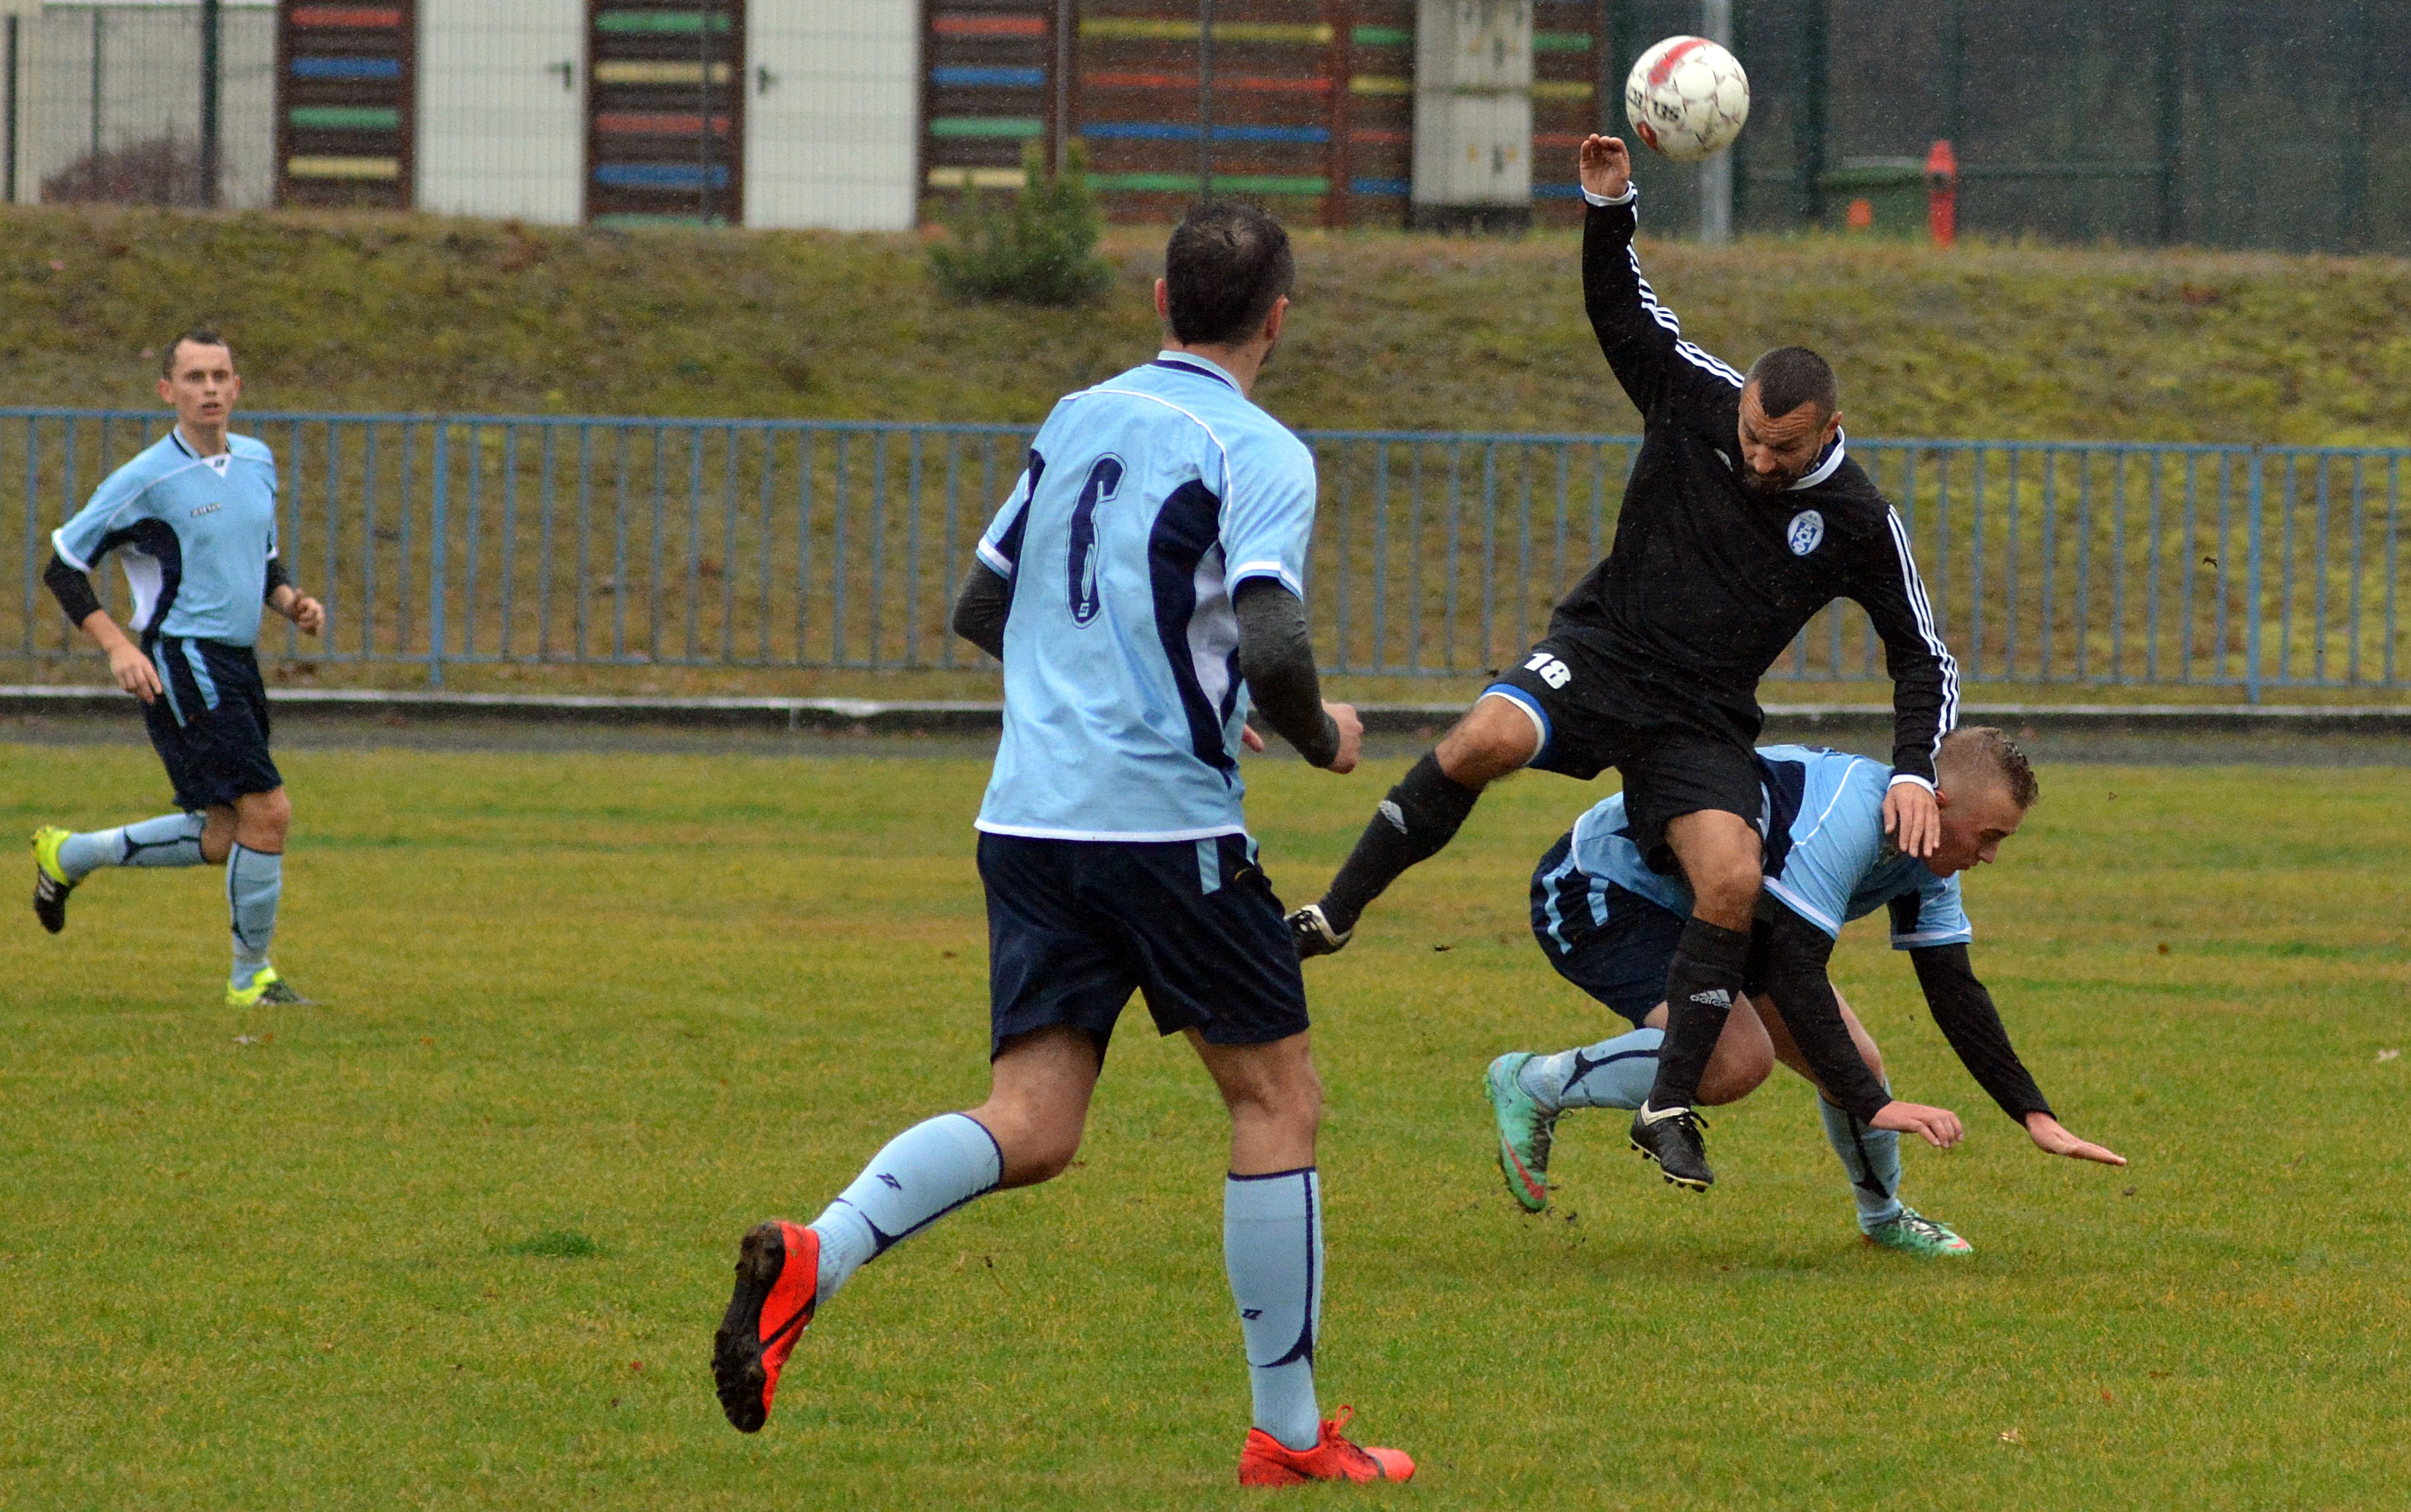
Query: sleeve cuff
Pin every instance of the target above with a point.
(1272, 569)
(1631, 192)
(995, 559)
(1899, 777)
(59, 545)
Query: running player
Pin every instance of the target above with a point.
(193, 521)
(1743, 517)
(1608, 923)
(1146, 569)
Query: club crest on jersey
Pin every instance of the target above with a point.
(1807, 529)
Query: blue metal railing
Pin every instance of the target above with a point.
(441, 541)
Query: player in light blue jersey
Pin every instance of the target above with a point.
(1608, 923)
(1143, 582)
(192, 522)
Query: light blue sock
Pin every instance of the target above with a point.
(1272, 1248)
(254, 881)
(1871, 1157)
(916, 1179)
(170, 840)
(1613, 1074)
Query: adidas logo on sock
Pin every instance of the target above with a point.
(1395, 815)
(1713, 997)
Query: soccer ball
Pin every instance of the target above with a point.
(1686, 98)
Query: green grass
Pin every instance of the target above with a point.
(459, 1238)
(1390, 330)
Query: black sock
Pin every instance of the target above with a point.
(1420, 816)
(1701, 986)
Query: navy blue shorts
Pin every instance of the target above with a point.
(1074, 926)
(209, 723)
(1678, 755)
(1611, 942)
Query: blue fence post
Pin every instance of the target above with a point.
(2252, 583)
(439, 556)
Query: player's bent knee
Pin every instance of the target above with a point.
(1727, 887)
(1032, 1152)
(1732, 1077)
(262, 820)
(1494, 739)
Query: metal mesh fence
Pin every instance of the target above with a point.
(114, 106)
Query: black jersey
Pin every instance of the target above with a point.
(1709, 580)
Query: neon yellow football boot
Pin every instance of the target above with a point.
(50, 883)
(266, 990)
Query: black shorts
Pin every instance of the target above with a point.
(1677, 758)
(210, 723)
(1074, 926)
(1611, 942)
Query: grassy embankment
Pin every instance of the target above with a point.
(1391, 332)
(459, 1238)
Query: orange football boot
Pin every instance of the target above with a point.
(1267, 1462)
(778, 1281)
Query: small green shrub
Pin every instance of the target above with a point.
(1039, 249)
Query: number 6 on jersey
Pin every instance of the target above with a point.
(1104, 478)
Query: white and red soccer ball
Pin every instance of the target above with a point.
(1686, 98)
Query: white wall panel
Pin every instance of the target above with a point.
(834, 116)
(501, 112)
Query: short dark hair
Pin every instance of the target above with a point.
(198, 336)
(1225, 268)
(1791, 377)
(1980, 748)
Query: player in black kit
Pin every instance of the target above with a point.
(1742, 518)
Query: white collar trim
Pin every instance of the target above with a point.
(1825, 469)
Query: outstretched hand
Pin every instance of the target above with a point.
(1606, 167)
(1912, 819)
(1938, 1126)
(2052, 1137)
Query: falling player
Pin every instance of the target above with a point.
(193, 521)
(1743, 517)
(1608, 923)
(1149, 566)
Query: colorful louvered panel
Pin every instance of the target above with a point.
(988, 90)
(344, 104)
(1281, 122)
(665, 102)
(1567, 52)
(1382, 109)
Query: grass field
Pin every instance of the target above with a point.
(459, 1238)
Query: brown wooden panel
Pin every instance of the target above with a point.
(666, 110)
(346, 87)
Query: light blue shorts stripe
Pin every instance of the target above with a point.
(167, 685)
(201, 677)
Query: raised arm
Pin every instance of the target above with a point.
(1925, 681)
(1642, 339)
(1964, 1011)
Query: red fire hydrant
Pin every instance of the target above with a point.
(1942, 195)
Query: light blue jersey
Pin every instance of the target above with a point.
(1827, 860)
(193, 533)
(1149, 499)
